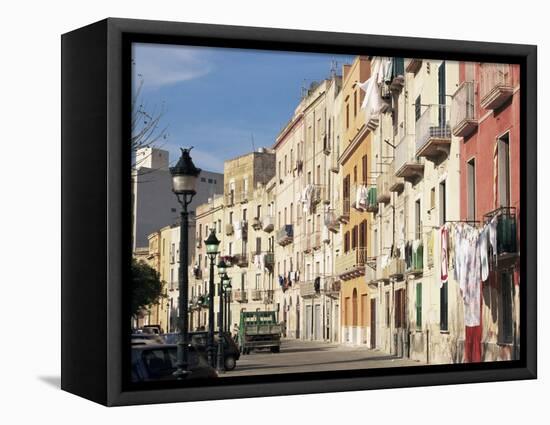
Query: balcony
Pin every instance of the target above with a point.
(372, 199)
(414, 66)
(326, 144)
(268, 296)
(351, 264)
(383, 187)
(398, 80)
(308, 289)
(433, 133)
(241, 260)
(407, 165)
(285, 235)
(506, 230)
(331, 220)
(256, 295)
(495, 85)
(396, 184)
(395, 269)
(239, 296)
(256, 223)
(197, 273)
(370, 273)
(331, 285)
(342, 209)
(463, 114)
(319, 194)
(268, 223)
(229, 229)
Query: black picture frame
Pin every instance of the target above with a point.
(96, 201)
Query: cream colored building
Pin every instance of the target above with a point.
(417, 168)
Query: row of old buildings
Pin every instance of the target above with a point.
(385, 214)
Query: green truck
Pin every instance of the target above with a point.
(259, 329)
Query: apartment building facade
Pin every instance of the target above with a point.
(355, 209)
(488, 125)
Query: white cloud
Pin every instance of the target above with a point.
(162, 65)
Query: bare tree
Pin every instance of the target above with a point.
(146, 128)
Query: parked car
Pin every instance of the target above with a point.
(146, 339)
(158, 363)
(151, 329)
(231, 353)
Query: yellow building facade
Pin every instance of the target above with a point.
(354, 211)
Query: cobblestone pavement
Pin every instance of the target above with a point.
(306, 356)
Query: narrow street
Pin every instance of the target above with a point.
(305, 356)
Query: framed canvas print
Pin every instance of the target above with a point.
(273, 212)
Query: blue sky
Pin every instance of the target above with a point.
(219, 100)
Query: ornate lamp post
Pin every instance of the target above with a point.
(222, 268)
(184, 180)
(227, 295)
(212, 243)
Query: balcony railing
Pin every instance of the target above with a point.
(308, 288)
(352, 263)
(433, 133)
(395, 269)
(256, 295)
(331, 220)
(319, 193)
(268, 296)
(285, 235)
(268, 223)
(495, 84)
(239, 295)
(506, 229)
(241, 260)
(407, 164)
(383, 186)
(463, 113)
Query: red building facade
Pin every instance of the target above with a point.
(487, 119)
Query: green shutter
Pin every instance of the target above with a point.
(419, 305)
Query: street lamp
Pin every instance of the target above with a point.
(222, 268)
(212, 243)
(184, 181)
(227, 296)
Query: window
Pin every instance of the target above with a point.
(230, 249)
(291, 159)
(318, 174)
(258, 245)
(286, 166)
(365, 169)
(346, 242)
(210, 181)
(417, 220)
(354, 237)
(387, 302)
(258, 211)
(231, 217)
(505, 321)
(279, 218)
(441, 94)
(244, 214)
(355, 174)
(355, 103)
(418, 305)
(363, 234)
(258, 277)
(399, 303)
(504, 171)
(219, 226)
(203, 179)
(444, 307)
(292, 213)
(417, 108)
(432, 198)
(442, 203)
(200, 231)
(471, 189)
(347, 115)
(280, 173)
(285, 217)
